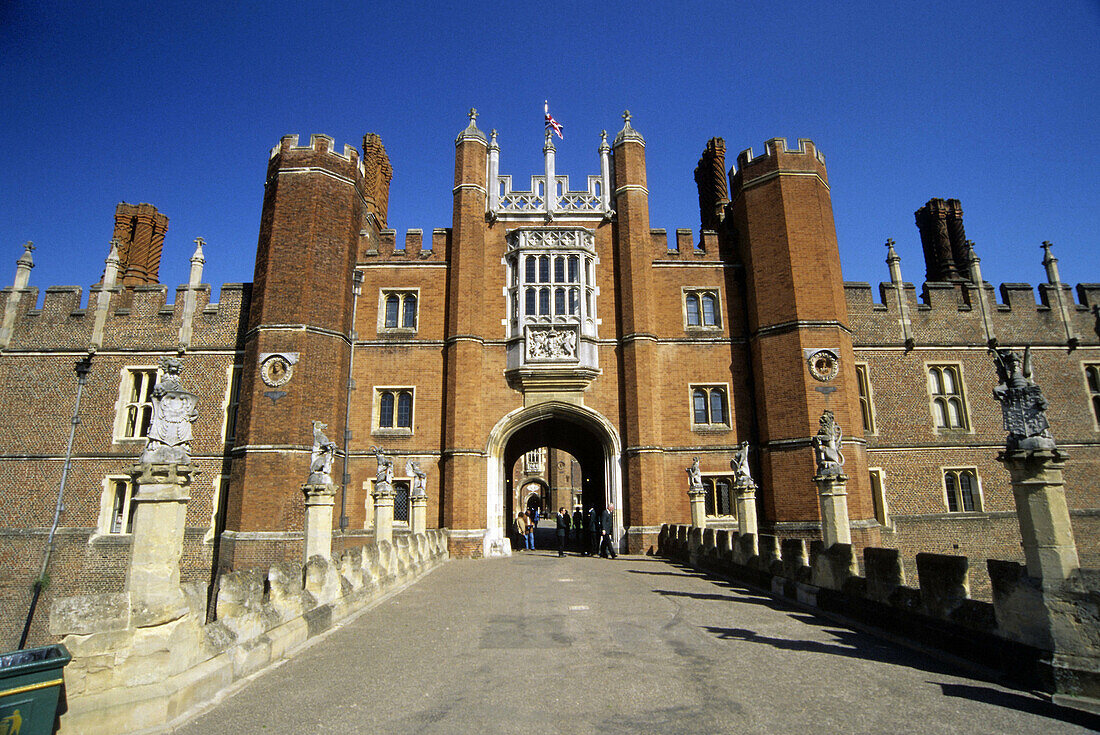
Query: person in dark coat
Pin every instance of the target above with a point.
(578, 531)
(607, 525)
(593, 531)
(563, 530)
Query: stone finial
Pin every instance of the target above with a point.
(26, 258)
(740, 464)
(420, 479)
(695, 479)
(628, 133)
(23, 266)
(1023, 405)
(472, 114)
(603, 142)
(320, 459)
(826, 445)
(169, 439)
(471, 132)
(891, 254)
(383, 476)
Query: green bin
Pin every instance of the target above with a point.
(30, 689)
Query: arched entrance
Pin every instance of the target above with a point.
(578, 430)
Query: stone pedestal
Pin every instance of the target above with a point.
(161, 494)
(383, 516)
(418, 516)
(319, 502)
(698, 497)
(1045, 529)
(745, 490)
(832, 492)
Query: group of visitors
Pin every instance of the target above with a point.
(591, 531)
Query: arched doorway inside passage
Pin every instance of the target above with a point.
(578, 430)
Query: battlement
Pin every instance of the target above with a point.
(684, 246)
(775, 150)
(384, 246)
(319, 144)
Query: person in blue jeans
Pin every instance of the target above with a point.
(531, 523)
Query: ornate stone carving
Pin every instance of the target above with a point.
(551, 344)
(320, 460)
(740, 464)
(169, 439)
(1023, 405)
(383, 476)
(826, 445)
(276, 369)
(420, 479)
(695, 479)
(824, 365)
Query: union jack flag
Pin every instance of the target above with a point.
(551, 123)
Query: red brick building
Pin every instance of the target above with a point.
(550, 317)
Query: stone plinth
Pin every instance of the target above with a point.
(698, 499)
(832, 492)
(745, 491)
(418, 516)
(161, 494)
(319, 502)
(1045, 529)
(383, 516)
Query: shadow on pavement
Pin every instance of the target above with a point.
(1020, 702)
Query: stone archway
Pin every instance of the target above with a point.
(578, 430)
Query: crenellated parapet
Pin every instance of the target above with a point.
(777, 158)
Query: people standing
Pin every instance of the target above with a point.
(532, 521)
(520, 526)
(563, 529)
(578, 530)
(593, 531)
(607, 525)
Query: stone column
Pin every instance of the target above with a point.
(419, 514)
(383, 514)
(698, 496)
(319, 501)
(745, 489)
(161, 493)
(1045, 529)
(832, 492)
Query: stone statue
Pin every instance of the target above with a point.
(695, 480)
(826, 444)
(320, 461)
(740, 464)
(1023, 405)
(420, 479)
(169, 438)
(383, 476)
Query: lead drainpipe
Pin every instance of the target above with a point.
(356, 288)
(82, 367)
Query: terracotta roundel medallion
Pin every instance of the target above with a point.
(276, 371)
(824, 365)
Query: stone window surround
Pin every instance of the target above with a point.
(957, 367)
(397, 522)
(219, 485)
(721, 427)
(878, 495)
(978, 494)
(127, 375)
(713, 477)
(699, 291)
(107, 505)
(401, 293)
(1094, 395)
(231, 401)
(376, 411)
(868, 399)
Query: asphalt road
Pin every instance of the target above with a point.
(539, 644)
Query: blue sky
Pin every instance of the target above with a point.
(177, 104)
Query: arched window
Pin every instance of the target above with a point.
(559, 269)
(1092, 377)
(393, 302)
(544, 301)
(408, 315)
(574, 267)
(961, 486)
(699, 400)
(717, 406)
(385, 410)
(948, 406)
(573, 301)
(708, 310)
(559, 301)
(692, 310)
(544, 269)
(529, 298)
(404, 409)
(529, 275)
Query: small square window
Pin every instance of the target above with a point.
(393, 410)
(962, 490)
(398, 310)
(117, 507)
(719, 501)
(135, 406)
(1092, 380)
(710, 407)
(701, 309)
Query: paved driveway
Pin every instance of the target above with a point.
(537, 644)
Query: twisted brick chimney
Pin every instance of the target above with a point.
(140, 231)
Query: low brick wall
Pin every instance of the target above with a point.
(125, 678)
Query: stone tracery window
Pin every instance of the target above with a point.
(946, 390)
